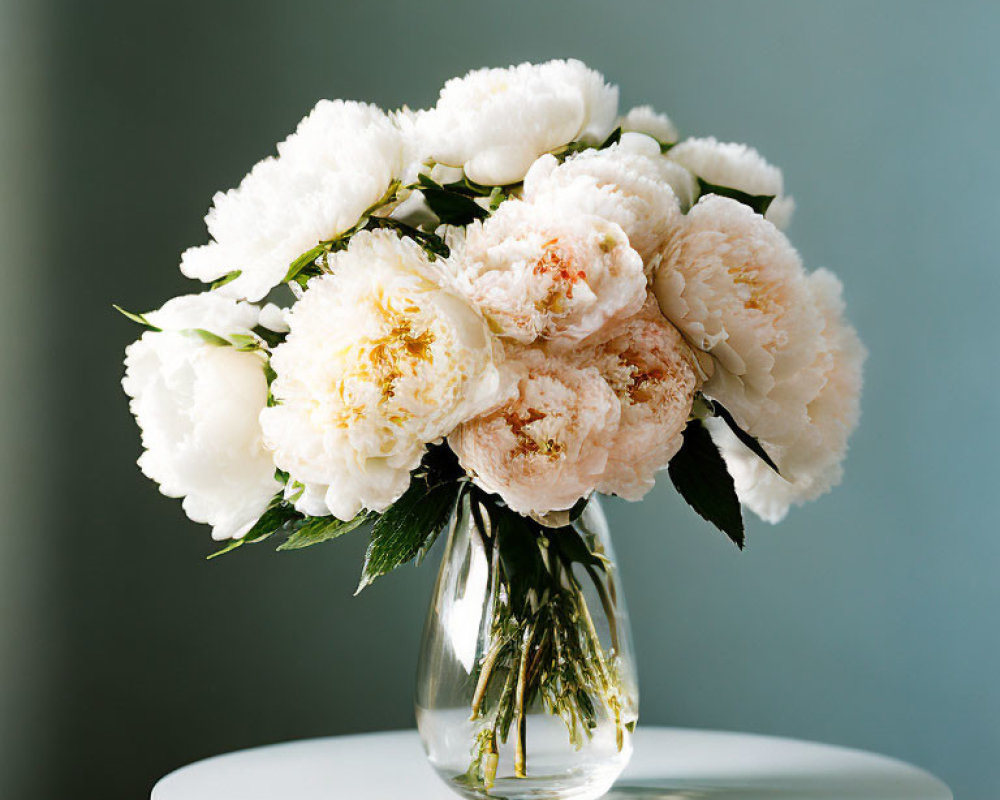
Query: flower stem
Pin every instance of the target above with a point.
(486, 671)
(522, 720)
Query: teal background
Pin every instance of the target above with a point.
(866, 619)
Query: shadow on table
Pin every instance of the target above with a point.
(837, 790)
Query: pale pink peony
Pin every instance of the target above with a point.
(547, 270)
(811, 464)
(629, 184)
(735, 287)
(548, 446)
(652, 371)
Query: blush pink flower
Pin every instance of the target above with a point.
(652, 371)
(735, 287)
(630, 184)
(811, 464)
(547, 270)
(548, 445)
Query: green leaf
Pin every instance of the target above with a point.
(244, 341)
(571, 546)
(273, 338)
(453, 208)
(229, 277)
(321, 529)
(140, 318)
(750, 441)
(207, 337)
(229, 547)
(431, 243)
(578, 508)
(520, 553)
(758, 202)
(408, 526)
(699, 473)
(303, 261)
(277, 515)
(497, 196)
(613, 138)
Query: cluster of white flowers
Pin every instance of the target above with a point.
(520, 273)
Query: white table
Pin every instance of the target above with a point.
(668, 764)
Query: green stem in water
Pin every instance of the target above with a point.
(485, 673)
(522, 721)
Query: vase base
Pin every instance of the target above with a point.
(555, 769)
(586, 786)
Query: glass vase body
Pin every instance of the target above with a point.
(526, 684)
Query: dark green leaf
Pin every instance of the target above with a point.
(462, 498)
(750, 441)
(578, 508)
(758, 202)
(207, 337)
(408, 526)
(278, 514)
(140, 318)
(572, 548)
(273, 338)
(520, 553)
(303, 261)
(453, 208)
(440, 465)
(473, 188)
(431, 243)
(229, 277)
(699, 473)
(613, 138)
(321, 529)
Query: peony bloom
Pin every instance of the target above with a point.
(653, 373)
(643, 119)
(379, 362)
(735, 287)
(627, 184)
(546, 269)
(811, 464)
(338, 163)
(548, 446)
(197, 405)
(495, 122)
(736, 166)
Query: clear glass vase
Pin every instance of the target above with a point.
(526, 685)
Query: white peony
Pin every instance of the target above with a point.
(643, 119)
(653, 373)
(736, 166)
(548, 446)
(735, 287)
(495, 122)
(546, 269)
(812, 463)
(625, 184)
(379, 362)
(338, 163)
(197, 405)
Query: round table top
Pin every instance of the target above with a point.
(668, 764)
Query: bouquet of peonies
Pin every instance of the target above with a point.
(514, 299)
